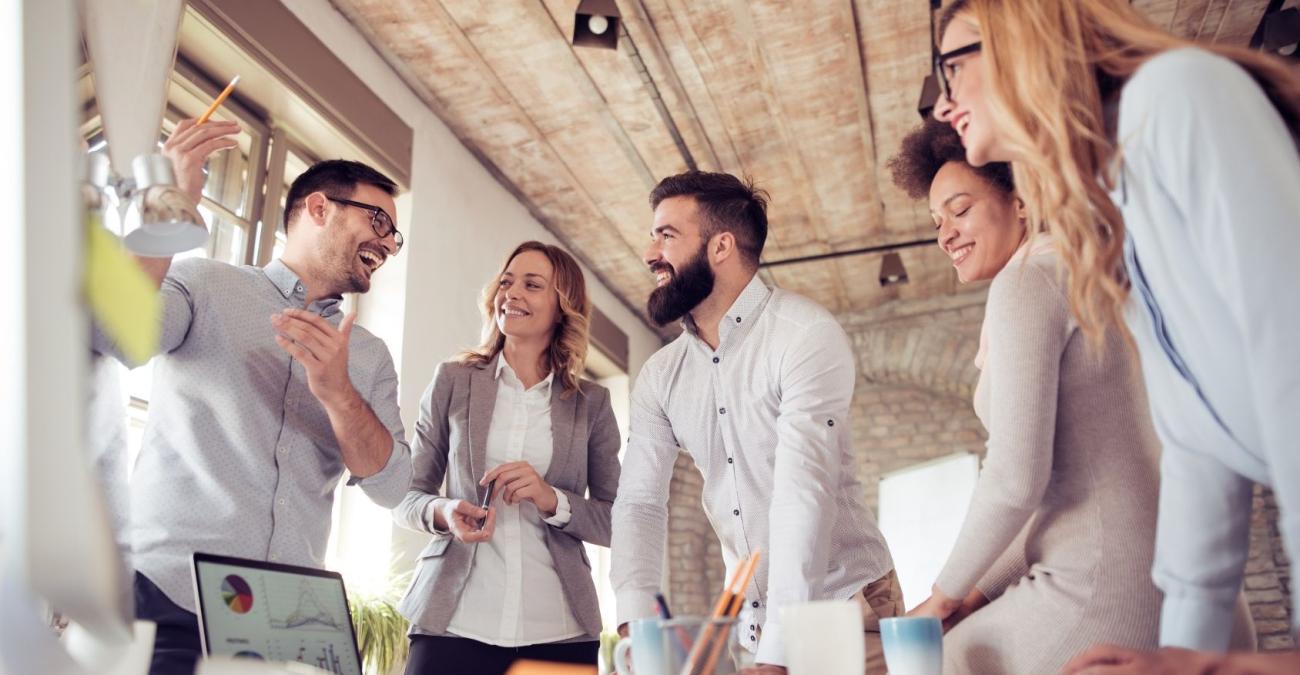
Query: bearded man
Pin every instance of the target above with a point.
(756, 390)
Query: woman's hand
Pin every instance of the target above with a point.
(973, 601)
(518, 482)
(1112, 660)
(937, 605)
(461, 518)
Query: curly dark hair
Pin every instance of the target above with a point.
(927, 148)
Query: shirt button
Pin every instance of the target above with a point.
(751, 627)
(280, 501)
(755, 604)
(753, 639)
(830, 423)
(297, 288)
(274, 558)
(731, 460)
(716, 359)
(737, 319)
(736, 512)
(722, 411)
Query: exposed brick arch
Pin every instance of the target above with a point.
(935, 358)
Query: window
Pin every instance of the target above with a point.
(605, 372)
(241, 205)
(921, 512)
(286, 127)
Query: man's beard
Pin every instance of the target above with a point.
(685, 290)
(340, 258)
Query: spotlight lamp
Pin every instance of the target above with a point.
(892, 271)
(1281, 33)
(929, 96)
(596, 24)
(169, 221)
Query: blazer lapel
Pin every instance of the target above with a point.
(564, 412)
(482, 400)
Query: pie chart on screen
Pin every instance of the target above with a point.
(237, 594)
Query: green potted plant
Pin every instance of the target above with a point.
(381, 630)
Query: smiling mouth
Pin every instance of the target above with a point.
(959, 255)
(662, 277)
(514, 313)
(962, 124)
(370, 260)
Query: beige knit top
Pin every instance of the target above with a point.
(1070, 481)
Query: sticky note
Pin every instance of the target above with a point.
(123, 299)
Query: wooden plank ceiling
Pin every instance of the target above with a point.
(809, 98)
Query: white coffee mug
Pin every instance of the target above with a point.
(824, 638)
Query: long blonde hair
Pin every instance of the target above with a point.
(1051, 65)
(567, 354)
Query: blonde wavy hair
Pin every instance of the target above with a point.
(1051, 66)
(567, 355)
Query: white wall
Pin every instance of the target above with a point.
(461, 223)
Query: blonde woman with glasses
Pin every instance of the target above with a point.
(1169, 175)
(515, 466)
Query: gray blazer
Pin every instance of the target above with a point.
(449, 453)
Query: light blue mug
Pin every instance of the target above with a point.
(645, 639)
(913, 645)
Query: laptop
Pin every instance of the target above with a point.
(270, 612)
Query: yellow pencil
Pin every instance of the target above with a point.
(221, 98)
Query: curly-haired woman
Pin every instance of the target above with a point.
(1055, 552)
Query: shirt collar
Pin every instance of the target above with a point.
(502, 365)
(292, 288)
(743, 311)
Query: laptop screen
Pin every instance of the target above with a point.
(271, 612)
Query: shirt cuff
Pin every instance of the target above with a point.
(432, 506)
(634, 604)
(562, 513)
(771, 646)
(388, 486)
(1196, 622)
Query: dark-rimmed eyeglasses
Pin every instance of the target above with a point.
(943, 68)
(380, 221)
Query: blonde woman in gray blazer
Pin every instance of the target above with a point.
(512, 581)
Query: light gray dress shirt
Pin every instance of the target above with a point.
(1210, 193)
(766, 419)
(238, 457)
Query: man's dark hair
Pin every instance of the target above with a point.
(336, 178)
(926, 149)
(726, 203)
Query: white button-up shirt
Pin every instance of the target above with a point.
(766, 418)
(515, 562)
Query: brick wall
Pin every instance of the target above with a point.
(912, 404)
(695, 573)
(1268, 576)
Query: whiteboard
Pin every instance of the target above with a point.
(921, 511)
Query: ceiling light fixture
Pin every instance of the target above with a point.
(595, 24)
(892, 271)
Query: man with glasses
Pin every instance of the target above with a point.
(263, 395)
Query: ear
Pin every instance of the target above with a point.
(722, 246)
(314, 208)
(1021, 212)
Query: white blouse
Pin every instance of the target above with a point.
(515, 562)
